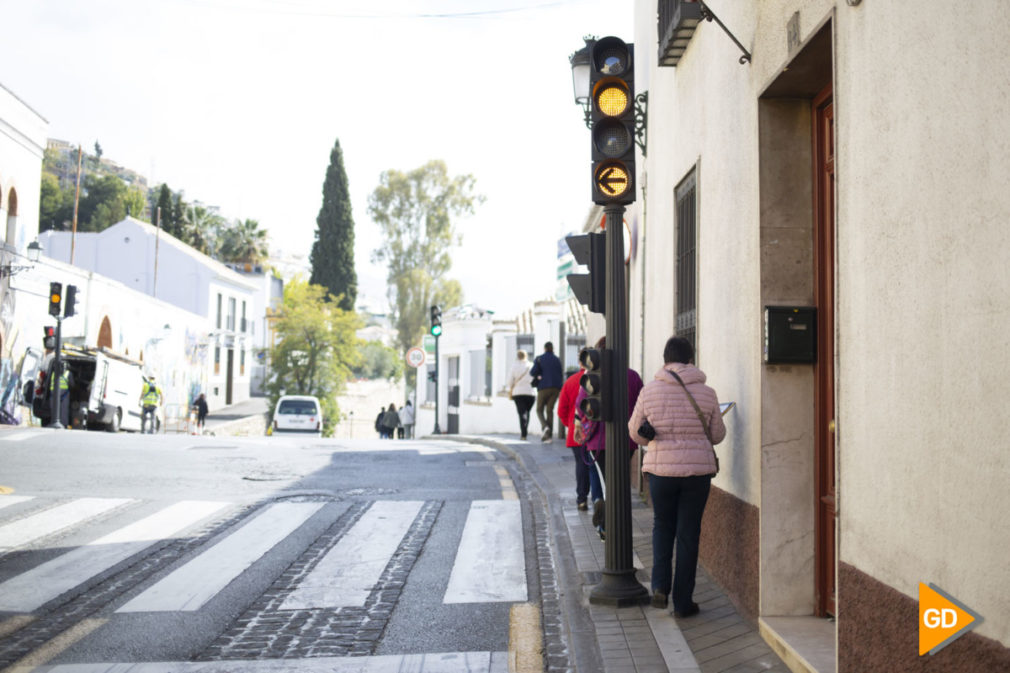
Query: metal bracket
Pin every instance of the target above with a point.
(709, 15)
(641, 118)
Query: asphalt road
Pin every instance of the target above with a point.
(252, 553)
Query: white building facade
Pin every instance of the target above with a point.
(852, 169)
(156, 265)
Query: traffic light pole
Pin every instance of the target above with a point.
(54, 380)
(437, 430)
(619, 587)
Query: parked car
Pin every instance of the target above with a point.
(298, 413)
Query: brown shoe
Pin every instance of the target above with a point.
(582, 505)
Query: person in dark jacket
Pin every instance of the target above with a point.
(201, 412)
(548, 374)
(390, 422)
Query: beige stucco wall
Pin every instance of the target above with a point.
(923, 288)
(924, 298)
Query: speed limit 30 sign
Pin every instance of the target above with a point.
(415, 357)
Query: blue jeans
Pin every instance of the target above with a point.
(581, 475)
(677, 507)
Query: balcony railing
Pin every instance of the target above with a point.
(678, 20)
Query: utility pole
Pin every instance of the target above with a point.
(77, 200)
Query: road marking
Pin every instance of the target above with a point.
(526, 647)
(15, 623)
(348, 572)
(52, 648)
(490, 562)
(7, 500)
(30, 590)
(439, 662)
(19, 533)
(191, 586)
(508, 490)
(17, 436)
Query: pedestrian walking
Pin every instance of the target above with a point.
(566, 412)
(594, 439)
(407, 421)
(520, 386)
(378, 423)
(390, 421)
(678, 416)
(200, 404)
(548, 374)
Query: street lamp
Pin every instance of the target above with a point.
(34, 251)
(580, 75)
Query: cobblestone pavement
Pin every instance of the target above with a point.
(632, 639)
(265, 631)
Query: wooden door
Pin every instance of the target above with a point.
(824, 261)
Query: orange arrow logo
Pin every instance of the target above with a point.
(942, 619)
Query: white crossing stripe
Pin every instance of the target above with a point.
(19, 533)
(34, 588)
(8, 500)
(8, 436)
(346, 575)
(438, 662)
(192, 585)
(490, 561)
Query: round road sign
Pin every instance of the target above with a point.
(415, 357)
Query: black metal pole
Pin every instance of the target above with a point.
(619, 586)
(437, 430)
(54, 379)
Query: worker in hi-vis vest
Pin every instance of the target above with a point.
(150, 400)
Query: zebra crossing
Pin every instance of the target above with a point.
(489, 563)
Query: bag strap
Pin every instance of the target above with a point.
(697, 409)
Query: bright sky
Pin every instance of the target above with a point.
(238, 103)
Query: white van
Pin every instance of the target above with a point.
(298, 413)
(116, 388)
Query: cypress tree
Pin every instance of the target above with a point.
(332, 255)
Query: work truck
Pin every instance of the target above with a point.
(105, 389)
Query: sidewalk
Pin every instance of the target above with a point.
(634, 639)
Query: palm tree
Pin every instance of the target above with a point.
(243, 242)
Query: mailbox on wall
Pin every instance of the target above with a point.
(790, 335)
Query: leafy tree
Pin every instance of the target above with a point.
(102, 204)
(167, 219)
(243, 242)
(98, 151)
(378, 361)
(332, 254)
(315, 350)
(136, 203)
(415, 213)
(56, 205)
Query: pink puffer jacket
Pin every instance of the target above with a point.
(680, 448)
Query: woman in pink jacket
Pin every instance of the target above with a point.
(680, 463)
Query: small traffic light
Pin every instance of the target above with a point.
(612, 112)
(70, 305)
(597, 363)
(436, 321)
(433, 375)
(55, 297)
(590, 289)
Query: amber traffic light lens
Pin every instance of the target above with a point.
(612, 179)
(612, 100)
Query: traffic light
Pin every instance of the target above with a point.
(55, 297)
(70, 305)
(432, 375)
(436, 321)
(597, 363)
(612, 112)
(590, 288)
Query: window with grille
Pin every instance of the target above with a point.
(686, 264)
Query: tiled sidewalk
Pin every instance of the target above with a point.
(643, 639)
